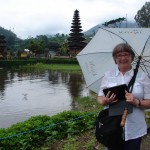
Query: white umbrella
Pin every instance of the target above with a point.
(96, 58)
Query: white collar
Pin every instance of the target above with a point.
(130, 72)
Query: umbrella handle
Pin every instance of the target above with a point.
(125, 113)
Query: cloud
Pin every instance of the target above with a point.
(36, 17)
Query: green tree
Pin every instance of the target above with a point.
(116, 22)
(43, 39)
(64, 49)
(143, 15)
(38, 44)
(10, 38)
(11, 42)
(35, 47)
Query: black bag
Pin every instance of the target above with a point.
(108, 130)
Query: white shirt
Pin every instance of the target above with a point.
(135, 125)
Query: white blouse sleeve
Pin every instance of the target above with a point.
(103, 85)
(146, 84)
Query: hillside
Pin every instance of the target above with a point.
(10, 37)
(7, 33)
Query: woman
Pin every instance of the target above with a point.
(135, 125)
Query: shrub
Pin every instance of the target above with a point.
(33, 132)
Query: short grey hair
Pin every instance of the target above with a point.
(123, 47)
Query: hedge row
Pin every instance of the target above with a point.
(59, 61)
(16, 63)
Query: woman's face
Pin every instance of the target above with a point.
(124, 60)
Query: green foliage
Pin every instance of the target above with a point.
(11, 38)
(60, 61)
(114, 22)
(7, 33)
(36, 130)
(15, 63)
(88, 104)
(41, 44)
(29, 62)
(42, 67)
(58, 38)
(143, 15)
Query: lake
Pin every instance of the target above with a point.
(26, 94)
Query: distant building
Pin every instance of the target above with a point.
(76, 40)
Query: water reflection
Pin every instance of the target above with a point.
(25, 94)
(75, 85)
(3, 77)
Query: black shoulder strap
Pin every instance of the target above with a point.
(131, 83)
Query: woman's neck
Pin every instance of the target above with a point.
(124, 70)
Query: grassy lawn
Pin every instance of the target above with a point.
(61, 67)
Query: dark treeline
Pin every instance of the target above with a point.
(41, 44)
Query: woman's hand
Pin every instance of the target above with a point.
(108, 99)
(131, 99)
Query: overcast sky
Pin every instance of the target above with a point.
(40, 17)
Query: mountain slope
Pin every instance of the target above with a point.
(94, 29)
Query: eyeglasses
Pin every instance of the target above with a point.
(126, 55)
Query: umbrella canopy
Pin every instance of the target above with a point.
(96, 58)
